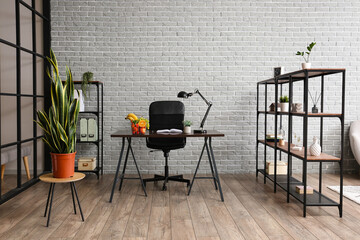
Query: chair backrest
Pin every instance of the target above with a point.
(166, 115)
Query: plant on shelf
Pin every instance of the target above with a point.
(59, 124)
(87, 77)
(138, 125)
(187, 126)
(307, 64)
(284, 103)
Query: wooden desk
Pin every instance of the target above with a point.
(50, 179)
(127, 135)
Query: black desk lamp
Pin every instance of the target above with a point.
(183, 94)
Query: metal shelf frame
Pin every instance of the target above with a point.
(99, 113)
(279, 180)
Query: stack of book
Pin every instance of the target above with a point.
(271, 137)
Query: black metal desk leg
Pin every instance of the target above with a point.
(51, 200)
(137, 168)
(125, 163)
(197, 167)
(73, 199)
(215, 169)
(212, 169)
(77, 198)
(117, 170)
(48, 199)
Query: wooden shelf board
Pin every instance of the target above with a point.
(303, 114)
(300, 154)
(300, 75)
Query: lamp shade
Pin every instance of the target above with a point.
(183, 94)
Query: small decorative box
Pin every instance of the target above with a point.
(300, 189)
(281, 168)
(86, 163)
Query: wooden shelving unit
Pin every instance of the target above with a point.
(288, 182)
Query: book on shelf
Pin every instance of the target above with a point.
(271, 137)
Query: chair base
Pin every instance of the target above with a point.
(176, 178)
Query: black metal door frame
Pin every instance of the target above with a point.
(45, 16)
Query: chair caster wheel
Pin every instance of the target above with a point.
(164, 188)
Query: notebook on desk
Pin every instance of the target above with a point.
(169, 131)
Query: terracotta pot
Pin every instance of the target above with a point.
(63, 164)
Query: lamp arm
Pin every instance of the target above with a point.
(206, 114)
(206, 101)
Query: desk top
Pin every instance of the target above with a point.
(49, 178)
(128, 133)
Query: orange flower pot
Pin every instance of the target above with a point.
(63, 164)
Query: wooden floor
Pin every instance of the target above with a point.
(251, 211)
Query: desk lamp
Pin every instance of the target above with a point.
(183, 94)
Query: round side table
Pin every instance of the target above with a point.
(50, 179)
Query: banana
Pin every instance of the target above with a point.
(131, 115)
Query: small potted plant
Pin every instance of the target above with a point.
(187, 126)
(306, 64)
(284, 103)
(87, 77)
(59, 124)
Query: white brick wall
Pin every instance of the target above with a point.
(150, 50)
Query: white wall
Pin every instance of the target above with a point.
(150, 50)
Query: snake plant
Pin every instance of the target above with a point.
(59, 124)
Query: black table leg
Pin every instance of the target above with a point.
(137, 168)
(125, 163)
(72, 194)
(48, 199)
(51, 200)
(215, 169)
(197, 167)
(211, 167)
(77, 198)
(117, 170)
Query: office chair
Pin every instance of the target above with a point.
(166, 115)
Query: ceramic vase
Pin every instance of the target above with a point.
(306, 65)
(284, 106)
(315, 148)
(187, 129)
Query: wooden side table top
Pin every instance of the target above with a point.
(49, 178)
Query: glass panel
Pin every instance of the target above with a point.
(25, 27)
(7, 20)
(26, 117)
(8, 166)
(26, 73)
(40, 76)
(7, 69)
(8, 119)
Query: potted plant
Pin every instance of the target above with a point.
(306, 64)
(284, 103)
(59, 124)
(187, 126)
(87, 77)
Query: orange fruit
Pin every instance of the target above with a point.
(142, 123)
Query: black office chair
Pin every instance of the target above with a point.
(166, 115)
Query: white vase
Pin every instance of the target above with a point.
(187, 129)
(284, 106)
(81, 100)
(306, 65)
(315, 148)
